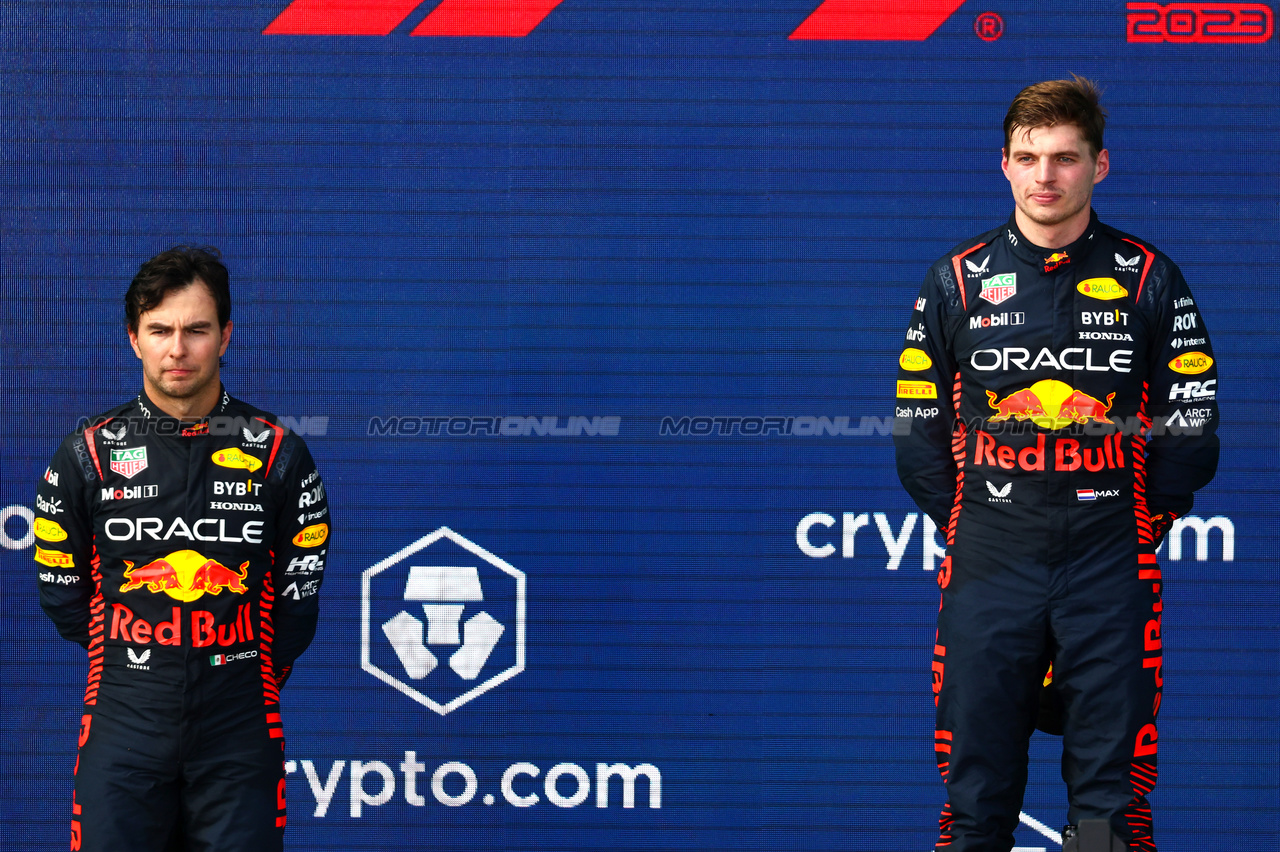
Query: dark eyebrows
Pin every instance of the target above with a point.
(198, 325)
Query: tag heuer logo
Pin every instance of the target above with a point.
(997, 288)
(129, 462)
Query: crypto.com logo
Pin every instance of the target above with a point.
(846, 20)
(443, 627)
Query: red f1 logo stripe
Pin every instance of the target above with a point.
(379, 17)
(876, 20)
(512, 18)
(341, 17)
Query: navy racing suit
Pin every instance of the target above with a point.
(186, 558)
(1055, 411)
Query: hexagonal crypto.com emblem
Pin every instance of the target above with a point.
(442, 620)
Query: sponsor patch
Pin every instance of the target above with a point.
(1105, 289)
(1191, 364)
(49, 530)
(1050, 404)
(917, 390)
(129, 462)
(130, 492)
(54, 558)
(1193, 390)
(312, 536)
(997, 288)
(914, 360)
(260, 438)
(223, 659)
(236, 459)
(185, 575)
(1055, 260)
(997, 320)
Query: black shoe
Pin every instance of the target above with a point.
(1100, 838)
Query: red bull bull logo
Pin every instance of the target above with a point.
(185, 575)
(1050, 404)
(1055, 260)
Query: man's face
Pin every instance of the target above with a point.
(179, 343)
(1052, 171)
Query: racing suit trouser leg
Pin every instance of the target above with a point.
(208, 783)
(1107, 664)
(989, 663)
(126, 786)
(233, 783)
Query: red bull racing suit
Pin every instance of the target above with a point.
(1056, 410)
(186, 558)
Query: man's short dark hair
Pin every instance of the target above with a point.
(1054, 102)
(177, 269)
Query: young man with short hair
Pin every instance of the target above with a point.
(1056, 411)
(181, 539)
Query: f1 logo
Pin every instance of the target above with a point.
(850, 20)
(876, 20)
(513, 18)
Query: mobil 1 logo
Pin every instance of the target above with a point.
(443, 620)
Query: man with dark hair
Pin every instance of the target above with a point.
(1056, 411)
(182, 538)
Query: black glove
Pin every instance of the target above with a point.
(1050, 716)
(1160, 524)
